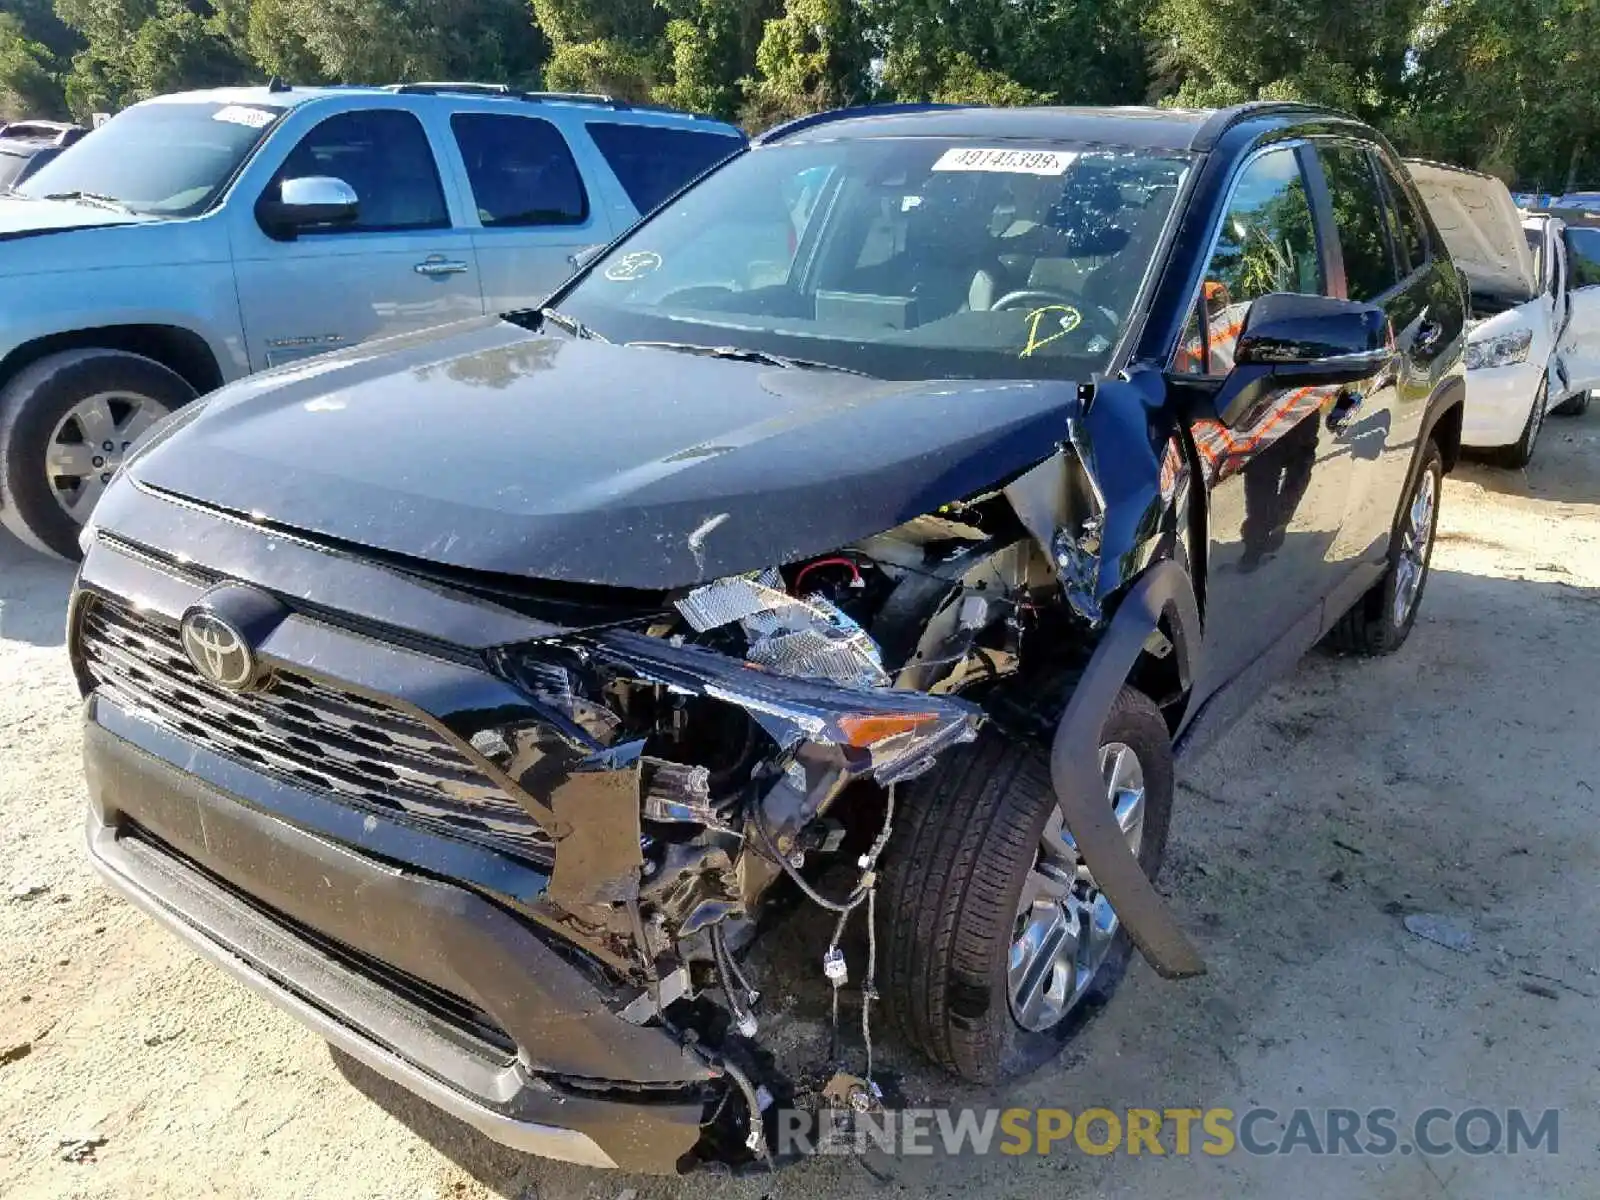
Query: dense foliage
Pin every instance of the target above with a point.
(1511, 86)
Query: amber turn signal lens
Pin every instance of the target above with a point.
(863, 730)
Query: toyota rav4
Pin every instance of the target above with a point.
(486, 696)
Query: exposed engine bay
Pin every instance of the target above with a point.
(690, 762)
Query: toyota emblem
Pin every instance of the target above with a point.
(218, 650)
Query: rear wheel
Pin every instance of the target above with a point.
(66, 423)
(1381, 620)
(999, 943)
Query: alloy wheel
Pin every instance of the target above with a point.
(90, 443)
(1065, 927)
(1415, 542)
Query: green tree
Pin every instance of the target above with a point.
(1508, 86)
(1350, 54)
(816, 55)
(1022, 52)
(616, 47)
(388, 41)
(28, 83)
(140, 48)
(712, 46)
(41, 24)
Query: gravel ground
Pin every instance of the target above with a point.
(1461, 777)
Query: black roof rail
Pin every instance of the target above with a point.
(1224, 119)
(461, 87)
(810, 120)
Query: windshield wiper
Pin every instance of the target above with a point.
(741, 354)
(571, 324)
(94, 198)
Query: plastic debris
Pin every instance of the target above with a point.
(1442, 930)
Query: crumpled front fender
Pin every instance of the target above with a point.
(1164, 590)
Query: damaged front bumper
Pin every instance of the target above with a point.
(431, 984)
(523, 991)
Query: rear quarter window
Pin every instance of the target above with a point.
(652, 162)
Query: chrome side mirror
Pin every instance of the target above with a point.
(306, 202)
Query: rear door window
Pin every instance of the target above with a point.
(1411, 235)
(1360, 214)
(521, 171)
(652, 162)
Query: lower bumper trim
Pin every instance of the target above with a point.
(546, 1141)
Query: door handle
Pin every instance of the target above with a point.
(1428, 334)
(1346, 407)
(437, 266)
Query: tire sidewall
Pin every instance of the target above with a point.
(1535, 426)
(31, 407)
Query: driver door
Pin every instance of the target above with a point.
(400, 266)
(1278, 478)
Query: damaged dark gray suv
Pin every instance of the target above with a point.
(858, 541)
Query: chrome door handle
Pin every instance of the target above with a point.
(1346, 407)
(438, 266)
(1429, 331)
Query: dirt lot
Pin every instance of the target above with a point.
(1461, 777)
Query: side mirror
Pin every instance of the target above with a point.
(1316, 334)
(307, 202)
(1291, 340)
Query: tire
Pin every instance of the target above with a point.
(40, 431)
(1373, 626)
(954, 876)
(1520, 453)
(1573, 406)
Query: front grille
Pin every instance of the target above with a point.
(331, 740)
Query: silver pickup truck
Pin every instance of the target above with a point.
(198, 237)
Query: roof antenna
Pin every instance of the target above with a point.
(276, 85)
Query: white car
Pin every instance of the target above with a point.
(1534, 344)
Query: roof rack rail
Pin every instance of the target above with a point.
(810, 120)
(1225, 119)
(462, 87)
(599, 98)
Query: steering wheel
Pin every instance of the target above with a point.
(704, 290)
(1030, 297)
(1092, 319)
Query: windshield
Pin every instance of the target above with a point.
(903, 258)
(165, 159)
(12, 165)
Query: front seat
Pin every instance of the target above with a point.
(949, 258)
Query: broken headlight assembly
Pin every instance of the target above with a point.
(1504, 350)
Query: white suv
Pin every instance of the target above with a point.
(198, 237)
(1534, 342)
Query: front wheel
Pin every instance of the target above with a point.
(1381, 620)
(999, 943)
(1520, 453)
(66, 424)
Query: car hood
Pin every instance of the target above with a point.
(21, 217)
(1481, 226)
(486, 448)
